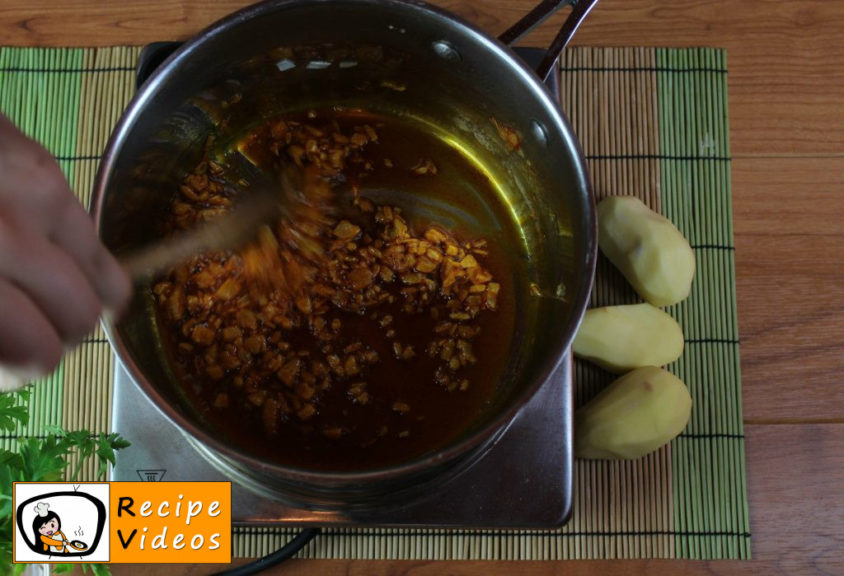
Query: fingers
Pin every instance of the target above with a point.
(51, 262)
(11, 380)
(33, 188)
(51, 280)
(27, 338)
(74, 232)
(35, 195)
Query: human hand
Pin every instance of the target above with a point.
(55, 275)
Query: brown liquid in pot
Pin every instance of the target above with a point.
(381, 411)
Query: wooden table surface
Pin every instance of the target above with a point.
(786, 89)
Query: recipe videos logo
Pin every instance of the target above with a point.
(61, 522)
(122, 522)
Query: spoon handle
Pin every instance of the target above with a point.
(228, 231)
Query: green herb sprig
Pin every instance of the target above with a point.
(44, 459)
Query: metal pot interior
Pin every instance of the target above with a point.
(398, 59)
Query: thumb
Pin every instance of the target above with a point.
(14, 378)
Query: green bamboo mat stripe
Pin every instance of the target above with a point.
(652, 123)
(45, 106)
(708, 459)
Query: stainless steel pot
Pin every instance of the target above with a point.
(291, 55)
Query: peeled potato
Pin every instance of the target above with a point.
(633, 416)
(620, 338)
(647, 248)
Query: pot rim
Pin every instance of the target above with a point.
(450, 452)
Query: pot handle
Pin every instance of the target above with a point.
(580, 9)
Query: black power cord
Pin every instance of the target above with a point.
(285, 552)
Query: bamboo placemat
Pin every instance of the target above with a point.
(653, 123)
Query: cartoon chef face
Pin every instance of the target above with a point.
(49, 527)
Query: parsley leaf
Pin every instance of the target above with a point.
(107, 444)
(14, 410)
